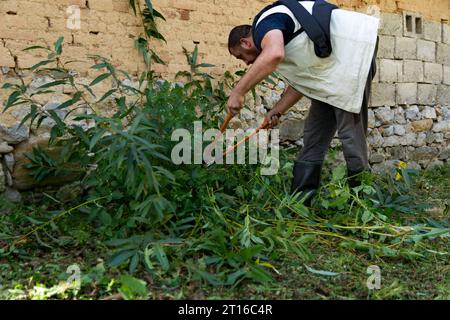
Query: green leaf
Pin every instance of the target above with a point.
(35, 47)
(367, 216)
(70, 102)
(321, 272)
(258, 274)
(95, 139)
(134, 262)
(235, 276)
(42, 63)
(205, 65)
(58, 45)
(161, 256)
(105, 217)
(156, 58)
(133, 6)
(157, 14)
(10, 85)
(149, 6)
(248, 253)
(106, 95)
(52, 84)
(33, 221)
(147, 254)
(194, 56)
(132, 288)
(99, 66)
(339, 173)
(12, 99)
(100, 78)
(120, 257)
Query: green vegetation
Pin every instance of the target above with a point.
(137, 226)
(187, 230)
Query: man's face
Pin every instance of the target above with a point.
(246, 51)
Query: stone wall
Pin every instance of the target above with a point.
(410, 119)
(409, 116)
(206, 22)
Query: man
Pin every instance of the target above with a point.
(338, 85)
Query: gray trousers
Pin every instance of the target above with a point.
(322, 122)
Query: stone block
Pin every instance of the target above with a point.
(426, 50)
(429, 113)
(15, 134)
(421, 125)
(386, 47)
(426, 94)
(446, 33)
(391, 24)
(5, 148)
(385, 115)
(377, 158)
(412, 71)
(443, 94)
(412, 113)
(405, 48)
(443, 54)
(432, 31)
(446, 79)
(442, 126)
(445, 154)
(432, 73)
(291, 130)
(388, 70)
(2, 180)
(424, 153)
(391, 141)
(399, 115)
(383, 94)
(406, 93)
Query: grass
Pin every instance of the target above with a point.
(39, 272)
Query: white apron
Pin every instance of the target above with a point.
(340, 79)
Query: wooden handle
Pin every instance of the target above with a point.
(225, 124)
(264, 125)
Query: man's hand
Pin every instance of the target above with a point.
(235, 103)
(273, 118)
(288, 99)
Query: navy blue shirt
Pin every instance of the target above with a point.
(276, 21)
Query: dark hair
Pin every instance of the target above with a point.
(237, 34)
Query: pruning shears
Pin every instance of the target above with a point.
(264, 125)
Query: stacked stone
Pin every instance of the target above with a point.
(9, 137)
(409, 119)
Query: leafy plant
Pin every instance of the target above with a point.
(148, 16)
(222, 225)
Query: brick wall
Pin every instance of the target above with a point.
(409, 117)
(106, 26)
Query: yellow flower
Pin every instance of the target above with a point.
(400, 165)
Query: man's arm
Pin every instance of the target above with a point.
(271, 55)
(288, 99)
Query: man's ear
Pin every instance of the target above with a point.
(246, 43)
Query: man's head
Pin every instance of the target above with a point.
(241, 45)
